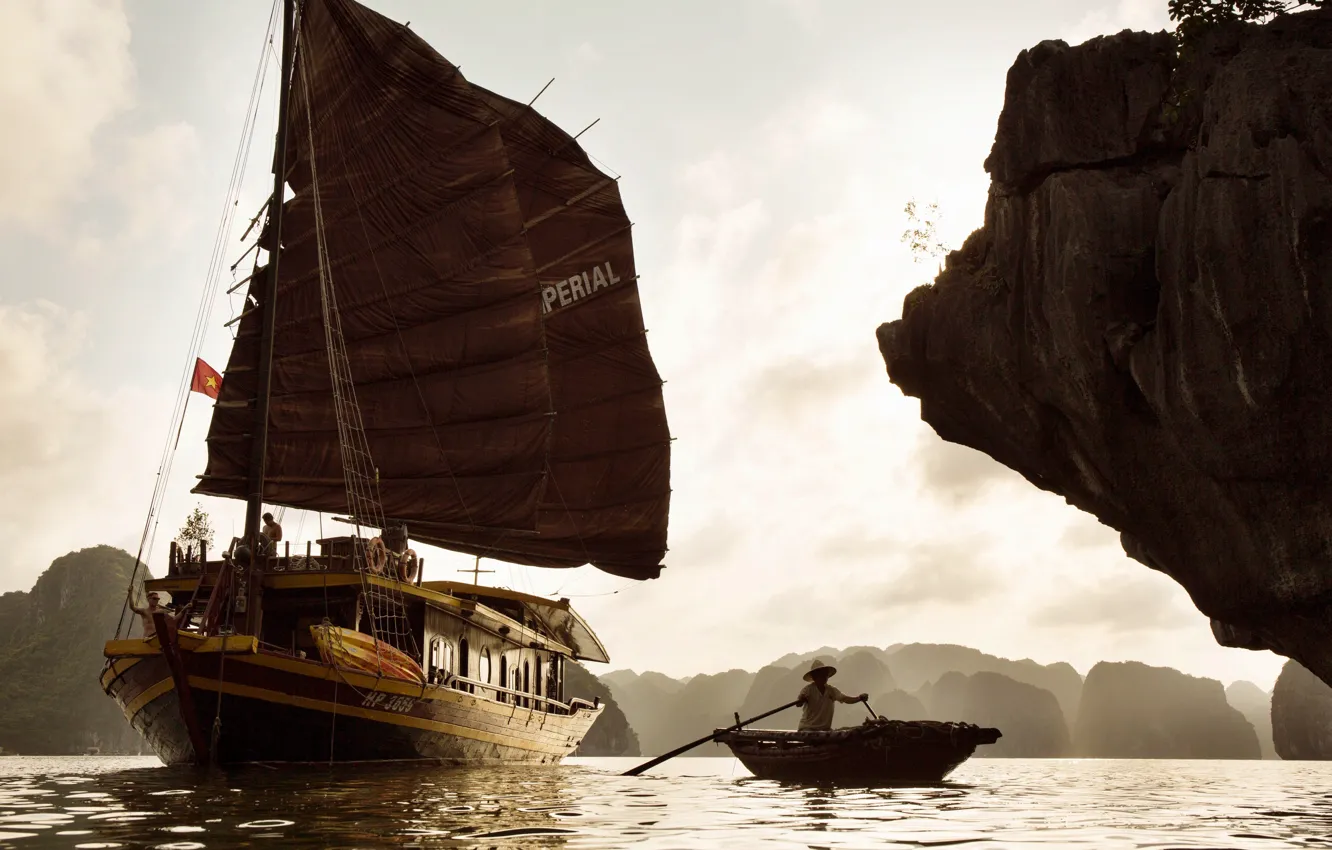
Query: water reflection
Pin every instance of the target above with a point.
(706, 803)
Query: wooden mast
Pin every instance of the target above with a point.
(259, 445)
(264, 368)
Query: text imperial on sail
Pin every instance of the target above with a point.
(579, 286)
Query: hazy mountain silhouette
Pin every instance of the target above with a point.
(863, 672)
(1029, 717)
(795, 659)
(658, 680)
(898, 705)
(1256, 706)
(51, 641)
(1301, 714)
(859, 671)
(775, 685)
(915, 664)
(611, 735)
(1131, 710)
(665, 713)
(668, 714)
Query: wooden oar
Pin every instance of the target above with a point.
(673, 753)
(872, 712)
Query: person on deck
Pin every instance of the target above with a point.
(272, 530)
(818, 697)
(146, 615)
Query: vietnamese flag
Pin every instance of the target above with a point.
(206, 379)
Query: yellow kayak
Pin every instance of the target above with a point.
(359, 651)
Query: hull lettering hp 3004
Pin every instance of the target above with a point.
(565, 292)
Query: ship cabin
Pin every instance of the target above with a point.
(495, 644)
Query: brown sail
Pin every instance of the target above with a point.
(484, 277)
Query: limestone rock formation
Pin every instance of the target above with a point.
(611, 735)
(666, 715)
(898, 705)
(860, 670)
(1143, 325)
(1029, 717)
(1256, 706)
(1301, 715)
(915, 665)
(51, 642)
(775, 685)
(1130, 710)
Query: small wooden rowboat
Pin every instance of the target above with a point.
(358, 651)
(877, 751)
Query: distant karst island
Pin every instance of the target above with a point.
(51, 647)
(1119, 710)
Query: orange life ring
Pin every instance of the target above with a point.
(376, 555)
(408, 564)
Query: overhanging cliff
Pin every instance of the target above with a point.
(1143, 325)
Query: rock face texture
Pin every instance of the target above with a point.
(1130, 710)
(1301, 715)
(51, 641)
(1143, 325)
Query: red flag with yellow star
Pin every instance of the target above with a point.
(206, 379)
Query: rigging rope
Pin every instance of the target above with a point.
(387, 609)
(203, 316)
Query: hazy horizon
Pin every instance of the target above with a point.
(766, 149)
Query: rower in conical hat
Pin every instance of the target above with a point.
(818, 699)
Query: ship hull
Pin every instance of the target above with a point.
(281, 709)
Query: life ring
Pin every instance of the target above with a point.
(376, 555)
(408, 564)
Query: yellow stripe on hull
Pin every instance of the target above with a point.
(457, 714)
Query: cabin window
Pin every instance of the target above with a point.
(464, 667)
(483, 666)
(503, 677)
(553, 679)
(536, 680)
(434, 661)
(527, 683)
(440, 663)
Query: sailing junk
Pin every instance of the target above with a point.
(456, 345)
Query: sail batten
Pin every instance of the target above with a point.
(488, 301)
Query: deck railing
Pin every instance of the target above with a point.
(337, 555)
(519, 696)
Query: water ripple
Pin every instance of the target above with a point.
(689, 803)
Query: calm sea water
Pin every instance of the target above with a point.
(706, 803)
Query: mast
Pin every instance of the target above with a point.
(259, 444)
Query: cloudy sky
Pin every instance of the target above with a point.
(766, 149)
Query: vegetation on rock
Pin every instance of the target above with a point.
(51, 657)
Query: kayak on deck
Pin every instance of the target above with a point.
(358, 651)
(878, 750)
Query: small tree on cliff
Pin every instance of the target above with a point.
(921, 232)
(1196, 15)
(196, 532)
